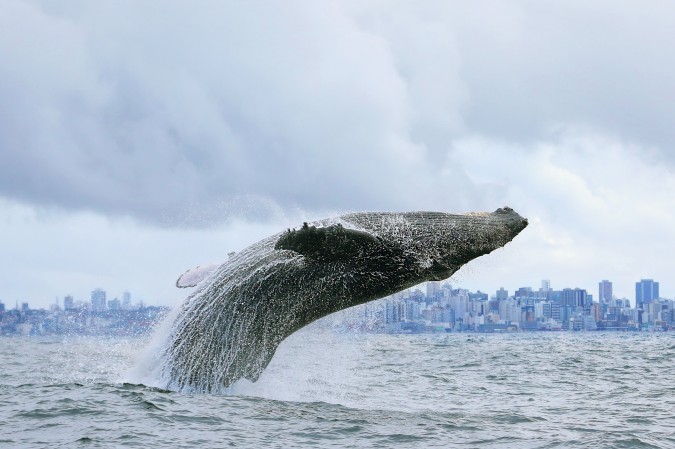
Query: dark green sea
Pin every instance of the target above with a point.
(330, 389)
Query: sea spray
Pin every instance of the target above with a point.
(146, 369)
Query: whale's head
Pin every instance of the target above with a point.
(438, 243)
(416, 246)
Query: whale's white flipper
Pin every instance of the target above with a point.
(193, 276)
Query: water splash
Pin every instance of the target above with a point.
(146, 369)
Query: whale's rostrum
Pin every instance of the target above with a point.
(231, 325)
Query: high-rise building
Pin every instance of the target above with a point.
(502, 294)
(68, 302)
(98, 300)
(604, 291)
(524, 292)
(433, 287)
(412, 310)
(576, 297)
(545, 290)
(478, 296)
(645, 291)
(126, 300)
(394, 311)
(551, 310)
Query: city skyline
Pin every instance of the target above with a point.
(99, 295)
(439, 308)
(545, 309)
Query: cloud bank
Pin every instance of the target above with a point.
(189, 113)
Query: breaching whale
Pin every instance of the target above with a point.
(231, 325)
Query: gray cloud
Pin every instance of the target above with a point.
(180, 113)
(604, 65)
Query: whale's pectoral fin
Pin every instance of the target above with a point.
(194, 276)
(329, 243)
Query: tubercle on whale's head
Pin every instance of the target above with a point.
(513, 222)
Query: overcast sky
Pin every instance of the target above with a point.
(139, 139)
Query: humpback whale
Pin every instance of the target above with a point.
(231, 325)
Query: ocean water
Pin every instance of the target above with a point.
(330, 389)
